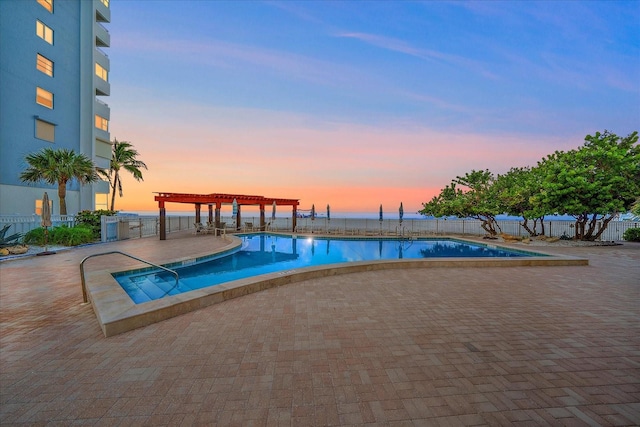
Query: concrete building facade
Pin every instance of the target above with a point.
(53, 74)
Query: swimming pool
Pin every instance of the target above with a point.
(275, 253)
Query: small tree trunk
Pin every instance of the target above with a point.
(592, 227)
(525, 225)
(495, 225)
(62, 193)
(113, 191)
(581, 221)
(605, 223)
(485, 226)
(535, 227)
(489, 225)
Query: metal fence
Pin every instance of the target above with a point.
(130, 227)
(425, 227)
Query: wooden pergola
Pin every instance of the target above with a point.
(218, 200)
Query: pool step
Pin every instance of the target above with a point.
(134, 291)
(151, 287)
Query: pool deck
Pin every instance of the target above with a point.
(117, 313)
(522, 345)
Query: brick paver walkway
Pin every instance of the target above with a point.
(491, 346)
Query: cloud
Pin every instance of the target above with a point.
(401, 46)
(215, 53)
(295, 155)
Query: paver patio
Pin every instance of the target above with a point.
(459, 346)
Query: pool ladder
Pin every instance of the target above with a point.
(84, 285)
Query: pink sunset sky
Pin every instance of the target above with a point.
(357, 104)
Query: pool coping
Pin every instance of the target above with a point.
(117, 313)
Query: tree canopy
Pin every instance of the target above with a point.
(514, 191)
(474, 200)
(593, 183)
(123, 156)
(59, 166)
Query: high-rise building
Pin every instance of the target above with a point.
(53, 74)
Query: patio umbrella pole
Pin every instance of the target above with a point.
(46, 223)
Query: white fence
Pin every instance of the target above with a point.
(128, 227)
(24, 223)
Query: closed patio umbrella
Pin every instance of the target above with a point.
(46, 222)
(46, 211)
(273, 211)
(381, 212)
(234, 213)
(313, 212)
(328, 213)
(401, 212)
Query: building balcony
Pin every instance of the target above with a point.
(101, 134)
(103, 88)
(102, 58)
(103, 13)
(102, 109)
(103, 38)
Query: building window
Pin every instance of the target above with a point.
(44, 32)
(44, 65)
(45, 130)
(44, 97)
(102, 73)
(102, 201)
(102, 123)
(39, 206)
(47, 4)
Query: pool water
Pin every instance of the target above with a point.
(269, 253)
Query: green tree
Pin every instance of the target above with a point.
(515, 191)
(59, 167)
(594, 183)
(635, 208)
(123, 156)
(477, 200)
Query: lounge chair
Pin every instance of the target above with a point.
(199, 228)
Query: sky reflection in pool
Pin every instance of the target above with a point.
(270, 253)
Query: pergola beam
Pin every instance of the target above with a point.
(219, 199)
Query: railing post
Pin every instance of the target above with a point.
(84, 284)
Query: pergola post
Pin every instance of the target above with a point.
(262, 224)
(218, 205)
(294, 222)
(198, 213)
(163, 221)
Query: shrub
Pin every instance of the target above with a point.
(72, 236)
(63, 235)
(632, 234)
(91, 219)
(36, 237)
(8, 240)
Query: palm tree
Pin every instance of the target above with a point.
(59, 167)
(123, 157)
